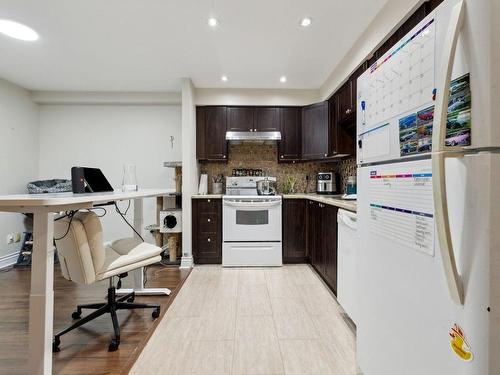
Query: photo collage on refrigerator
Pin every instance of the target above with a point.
(415, 129)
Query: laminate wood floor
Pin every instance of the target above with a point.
(251, 321)
(85, 350)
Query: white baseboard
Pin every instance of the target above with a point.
(8, 260)
(186, 262)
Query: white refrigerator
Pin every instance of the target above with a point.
(428, 264)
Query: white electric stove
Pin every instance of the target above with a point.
(251, 225)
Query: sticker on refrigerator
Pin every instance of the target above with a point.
(401, 206)
(458, 123)
(415, 132)
(459, 344)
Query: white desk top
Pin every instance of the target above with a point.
(24, 201)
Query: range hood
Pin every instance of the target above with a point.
(255, 137)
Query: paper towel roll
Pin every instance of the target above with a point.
(203, 186)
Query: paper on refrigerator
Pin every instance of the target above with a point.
(401, 205)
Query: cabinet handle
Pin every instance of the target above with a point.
(208, 220)
(255, 130)
(326, 155)
(251, 130)
(208, 240)
(282, 156)
(208, 200)
(223, 156)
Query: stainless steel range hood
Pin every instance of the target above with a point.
(255, 137)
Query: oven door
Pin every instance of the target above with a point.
(251, 220)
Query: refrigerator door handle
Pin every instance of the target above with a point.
(440, 152)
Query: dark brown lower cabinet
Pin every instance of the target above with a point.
(207, 230)
(322, 241)
(329, 236)
(294, 231)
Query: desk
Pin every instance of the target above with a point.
(43, 207)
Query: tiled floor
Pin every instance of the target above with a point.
(251, 321)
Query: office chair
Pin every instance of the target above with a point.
(85, 260)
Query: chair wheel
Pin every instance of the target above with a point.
(156, 313)
(55, 345)
(76, 315)
(113, 346)
(131, 299)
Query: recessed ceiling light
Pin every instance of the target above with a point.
(306, 21)
(213, 21)
(282, 79)
(224, 78)
(17, 30)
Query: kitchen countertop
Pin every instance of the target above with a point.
(341, 203)
(206, 196)
(345, 204)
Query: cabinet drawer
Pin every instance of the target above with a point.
(208, 222)
(208, 245)
(209, 205)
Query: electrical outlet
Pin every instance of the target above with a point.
(17, 237)
(9, 238)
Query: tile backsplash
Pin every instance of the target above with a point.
(265, 157)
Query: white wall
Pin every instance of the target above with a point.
(190, 170)
(18, 155)
(390, 17)
(216, 96)
(108, 136)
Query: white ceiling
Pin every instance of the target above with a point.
(148, 45)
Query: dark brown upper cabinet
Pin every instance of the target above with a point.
(315, 131)
(253, 119)
(289, 148)
(346, 97)
(344, 102)
(211, 144)
(342, 135)
(267, 119)
(240, 119)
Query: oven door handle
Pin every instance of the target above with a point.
(243, 205)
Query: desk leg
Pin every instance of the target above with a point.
(41, 295)
(139, 273)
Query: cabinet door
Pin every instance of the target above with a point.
(267, 119)
(294, 231)
(329, 244)
(344, 102)
(207, 230)
(215, 133)
(315, 131)
(315, 237)
(240, 119)
(332, 133)
(289, 148)
(200, 134)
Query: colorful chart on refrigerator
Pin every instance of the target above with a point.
(401, 206)
(403, 80)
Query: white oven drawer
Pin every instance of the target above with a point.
(248, 254)
(251, 221)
